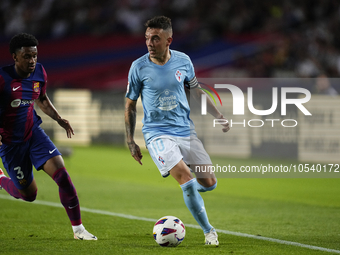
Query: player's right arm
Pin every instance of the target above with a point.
(130, 125)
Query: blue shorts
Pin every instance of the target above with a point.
(19, 158)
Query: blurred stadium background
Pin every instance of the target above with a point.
(87, 47)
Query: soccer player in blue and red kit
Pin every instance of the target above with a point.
(23, 142)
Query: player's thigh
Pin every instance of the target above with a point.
(42, 150)
(53, 164)
(181, 172)
(30, 189)
(165, 152)
(17, 162)
(203, 171)
(196, 157)
(193, 151)
(204, 175)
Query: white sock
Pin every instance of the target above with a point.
(79, 228)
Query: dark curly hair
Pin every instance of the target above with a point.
(22, 40)
(159, 22)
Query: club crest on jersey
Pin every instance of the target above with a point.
(178, 75)
(160, 159)
(36, 87)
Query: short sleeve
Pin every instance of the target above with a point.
(190, 79)
(190, 71)
(134, 84)
(43, 88)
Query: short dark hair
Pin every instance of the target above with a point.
(159, 22)
(22, 40)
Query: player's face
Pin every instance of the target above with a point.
(25, 60)
(157, 40)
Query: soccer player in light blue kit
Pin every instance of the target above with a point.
(160, 77)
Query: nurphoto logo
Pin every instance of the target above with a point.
(238, 104)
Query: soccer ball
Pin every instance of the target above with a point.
(169, 231)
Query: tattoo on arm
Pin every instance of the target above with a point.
(130, 121)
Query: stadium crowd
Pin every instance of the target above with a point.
(308, 31)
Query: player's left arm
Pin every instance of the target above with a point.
(196, 94)
(48, 108)
(193, 86)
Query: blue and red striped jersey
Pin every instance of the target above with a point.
(17, 115)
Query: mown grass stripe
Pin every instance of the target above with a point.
(132, 217)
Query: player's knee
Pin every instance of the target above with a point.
(30, 197)
(62, 178)
(208, 182)
(67, 192)
(207, 185)
(185, 179)
(181, 176)
(211, 183)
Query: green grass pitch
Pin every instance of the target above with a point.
(301, 210)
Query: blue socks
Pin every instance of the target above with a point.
(195, 204)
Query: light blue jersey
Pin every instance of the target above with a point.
(166, 109)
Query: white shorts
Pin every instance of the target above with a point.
(166, 151)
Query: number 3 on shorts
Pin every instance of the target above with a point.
(20, 174)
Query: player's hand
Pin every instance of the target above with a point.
(0, 140)
(135, 152)
(225, 124)
(67, 126)
(226, 127)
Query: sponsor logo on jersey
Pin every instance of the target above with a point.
(167, 100)
(36, 86)
(17, 102)
(26, 102)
